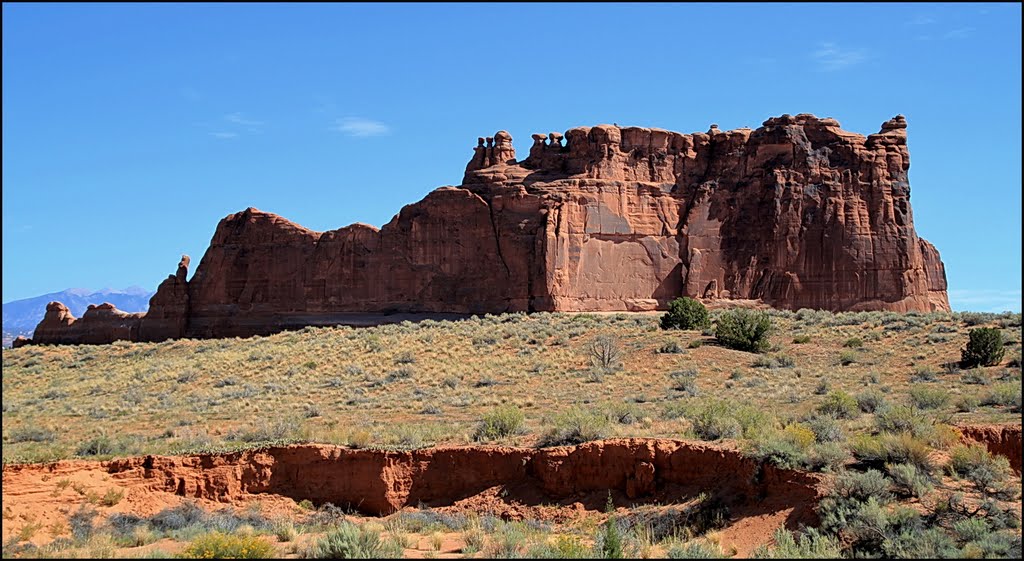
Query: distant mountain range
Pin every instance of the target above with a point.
(22, 316)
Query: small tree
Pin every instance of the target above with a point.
(611, 546)
(985, 348)
(744, 330)
(685, 313)
(604, 352)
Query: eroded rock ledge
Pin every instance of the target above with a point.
(796, 214)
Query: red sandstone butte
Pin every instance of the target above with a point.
(795, 214)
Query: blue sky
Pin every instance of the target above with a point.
(129, 131)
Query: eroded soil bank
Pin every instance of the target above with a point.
(553, 484)
(509, 482)
(1004, 440)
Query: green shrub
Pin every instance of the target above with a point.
(823, 386)
(808, 545)
(978, 466)
(685, 381)
(801, 339)
(827, 456)
(31, 434)
(670, 348)
(967, 403)
(104, 445)
(714, 420)
(218, 545)
(576, 426)
(782, 449)
(871, 400)
(984, 348)
(349, 541)
(685, 313)
(924, 374)
(903, 418)
(908, 480)
(506, 542)
(862, 486)
(778, 361)
(888, 448)
(744, 330)
(695, 344)
(975, 377)
(1005, 394)
(971, 529)
(826, 428)
(904, 448)
(929, 398)
(623, 413)
(840, 405)
(564, 547)
(853, 343)
(931, 543)
(611, 544)
(847, 358)
(503, 421)
(695, 550)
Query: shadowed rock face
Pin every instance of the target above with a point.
(796, 214)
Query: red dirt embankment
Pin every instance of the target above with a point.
(1004, 440)
(381, 482)
(511, 482)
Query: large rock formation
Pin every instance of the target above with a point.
(99, 324)
(796, 214)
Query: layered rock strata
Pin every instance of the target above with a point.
(795, 214)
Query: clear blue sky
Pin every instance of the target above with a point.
(129, 131)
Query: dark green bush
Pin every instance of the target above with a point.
(744, 330)
(985, 348)
(685, 313)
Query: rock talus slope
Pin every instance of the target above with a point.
(796, 214)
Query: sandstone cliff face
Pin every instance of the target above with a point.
(797, 214)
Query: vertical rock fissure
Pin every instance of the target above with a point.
(497, 240)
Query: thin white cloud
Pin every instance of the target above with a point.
(224, 134)
(985, 299)
(960, 33)
(831, 56)
(922, 19)
(238, 119)
(358, 126)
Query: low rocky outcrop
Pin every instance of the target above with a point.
(99, 324)
(797, 213)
